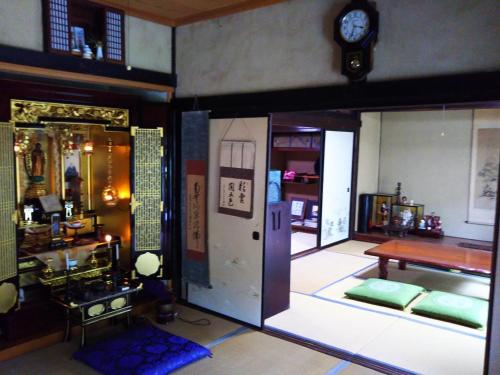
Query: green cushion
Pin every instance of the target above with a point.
(464, 310)
(384, 292)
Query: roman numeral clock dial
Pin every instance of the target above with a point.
(355, 30)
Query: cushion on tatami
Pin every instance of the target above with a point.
(385, 292)
(469, 311)
(144, 350)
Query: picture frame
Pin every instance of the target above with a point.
(484, 166)
(298, 208)
(312, 210)
(77, 38)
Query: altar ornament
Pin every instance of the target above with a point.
(28, 213)
(108, 238)
(109, 194)
(48, 271)
(88, 148)
(68, 205)
(93, 260)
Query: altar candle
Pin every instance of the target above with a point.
(67, 260)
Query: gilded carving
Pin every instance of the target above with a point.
(27, 111)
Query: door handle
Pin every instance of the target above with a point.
(274, 220)
(348, 190)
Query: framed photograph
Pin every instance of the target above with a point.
(484, 166)
(77, 38)
(298, 208)
(312, 210)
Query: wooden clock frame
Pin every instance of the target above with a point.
(357, 57)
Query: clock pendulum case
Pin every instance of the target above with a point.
(356, 31)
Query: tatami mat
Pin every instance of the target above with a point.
(257, 353)
(423, 349)
(315, 271)
(354, 369)
(353, 248)
(302, 241)
(330, 324)
(335, 293)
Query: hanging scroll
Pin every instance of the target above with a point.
(194, 150)
(146, 203)
(236, 185)
(8, 255)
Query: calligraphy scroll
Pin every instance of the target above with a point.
(237, 159)
(194, 156)
(196, 209)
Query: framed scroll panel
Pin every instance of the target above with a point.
(57, 26)
(115, 36)
(146, 203)
(8, 252)
(8, 256)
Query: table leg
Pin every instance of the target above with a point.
(82, 340)
(67, 328)
(382, 267)
(402, 265)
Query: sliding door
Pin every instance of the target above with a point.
(336, 186)
(235, 216)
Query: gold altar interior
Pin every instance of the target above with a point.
(73, 162)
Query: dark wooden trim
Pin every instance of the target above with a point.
(362, 361)
(21, 56)
(173, 46)
(430, 92)
(305, 253)
(493, 287)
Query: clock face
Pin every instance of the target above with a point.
(354, 26)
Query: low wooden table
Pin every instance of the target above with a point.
(424, 253)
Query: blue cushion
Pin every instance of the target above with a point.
(141, 350)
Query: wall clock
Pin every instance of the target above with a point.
(356, 30)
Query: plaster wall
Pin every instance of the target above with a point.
(21, 24)
(429, 152)
(148, 44)
(290, 45)
(368, 159)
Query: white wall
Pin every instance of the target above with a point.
(429, 152)
(368, 159)
(290, 45)
(235, 258)
(149, 44)
(21, 24)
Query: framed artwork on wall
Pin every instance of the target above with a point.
(484, 166)
(298, 207)
(312, 210)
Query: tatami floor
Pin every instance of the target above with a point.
(236, 350)
(302, 241)
(397, 339)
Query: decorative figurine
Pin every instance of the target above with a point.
(68, 205)
(28, 213)
(384, 210)
(404, 200)
(421, 225)
(406, 218)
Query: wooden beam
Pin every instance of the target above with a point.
(226, 11)
(199, 15)
(139, 13)
(80, 77)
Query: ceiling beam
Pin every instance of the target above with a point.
(195, 17)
